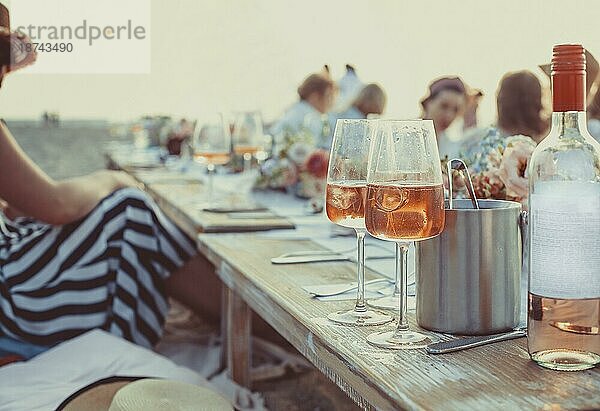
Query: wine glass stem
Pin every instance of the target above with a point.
(360, 297)
(397, 290)
(402, 261)
(247, 161)
(211, 173)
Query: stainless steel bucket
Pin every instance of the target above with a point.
(468, 278)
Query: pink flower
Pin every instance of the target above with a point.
(317, 163)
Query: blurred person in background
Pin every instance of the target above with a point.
(592, 71)
(349, 87)
(177, 135)
(593, 112)
(448, 99)
(316, 93)
(515, 159)
(520, 120)
(593, 109)
(520, 111)
(520, 106)
(370, 102)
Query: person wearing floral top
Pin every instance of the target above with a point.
(521, 122)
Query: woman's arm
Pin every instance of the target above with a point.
(27, 188)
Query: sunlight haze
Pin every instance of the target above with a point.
(212, 56)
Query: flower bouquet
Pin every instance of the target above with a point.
(484, 159)
(296, 166)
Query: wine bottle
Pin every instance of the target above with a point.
(564, 220)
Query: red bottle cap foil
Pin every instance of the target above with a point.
(568, 78)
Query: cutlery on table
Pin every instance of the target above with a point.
(321, 258)
(250, 215)
(330, 290)
(326, 252)
(471, 342)
(316, 252)
(227, 210)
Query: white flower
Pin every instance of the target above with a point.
(298, 152)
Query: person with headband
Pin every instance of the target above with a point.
(16, 50)
(446, 100)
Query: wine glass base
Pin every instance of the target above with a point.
(359, 319)
(392, 302)
(408, 340)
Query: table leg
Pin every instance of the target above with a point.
(224, 325)
(238, 339)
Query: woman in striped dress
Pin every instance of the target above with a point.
(105, 270)
(89, 252)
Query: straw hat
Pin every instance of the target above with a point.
(157, 395)
(16, 50)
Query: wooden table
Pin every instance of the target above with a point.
(181, 196)
(498, 376)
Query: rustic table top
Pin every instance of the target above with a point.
(184, 198)
(498, 376)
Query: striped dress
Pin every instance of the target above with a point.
(105, 271)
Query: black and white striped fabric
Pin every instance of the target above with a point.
(105, 271)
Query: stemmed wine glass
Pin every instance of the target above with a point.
(211, 145)
(405, 203)
(248, 136)
(390, 301)
(345, 205)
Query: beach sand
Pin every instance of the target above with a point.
(76, 148)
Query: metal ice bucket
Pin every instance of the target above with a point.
(468, 278)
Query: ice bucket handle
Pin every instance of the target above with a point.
(460, 166)
(523, 227)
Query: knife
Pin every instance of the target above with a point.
(227, 210)
(321, 258)
(243, 215)
(471, 342)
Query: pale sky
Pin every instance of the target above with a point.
(222, 55)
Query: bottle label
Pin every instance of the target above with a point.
(565, 240)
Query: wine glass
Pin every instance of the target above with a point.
(248, 136)
(211, 145)
(405, 203)
(390, 302)
(345, 205)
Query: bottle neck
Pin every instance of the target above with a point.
(568, 91)
(569, 124)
